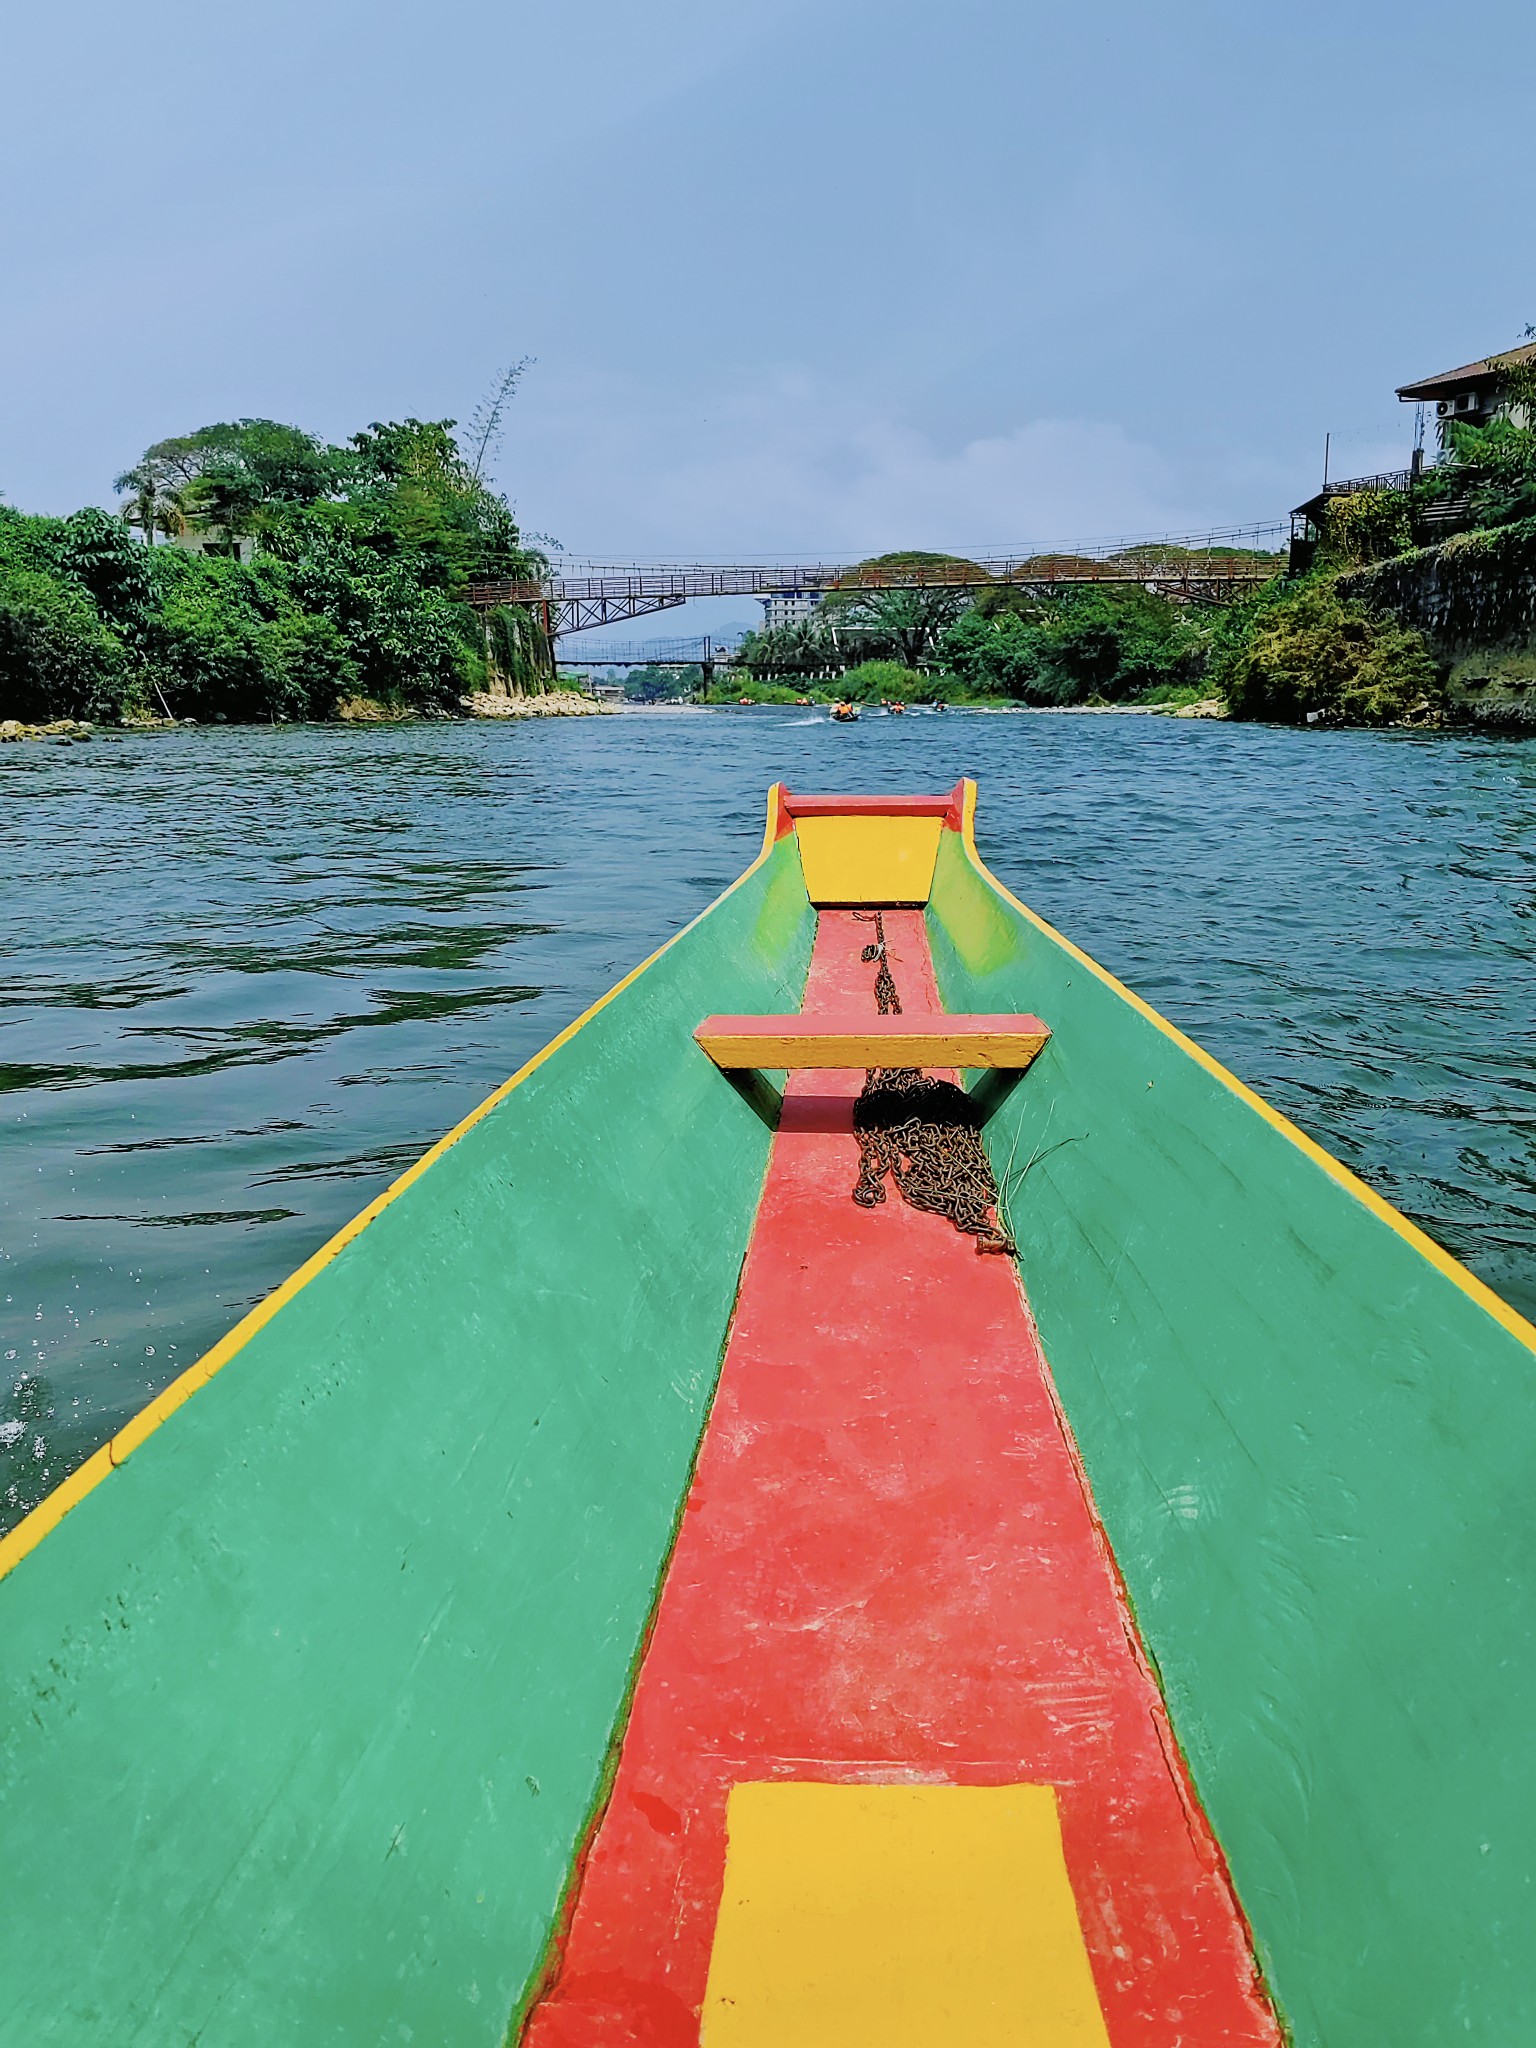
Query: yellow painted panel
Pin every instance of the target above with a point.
(800, 1045)
(898, 1916)
(868, 860)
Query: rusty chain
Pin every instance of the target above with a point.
(925, 1134)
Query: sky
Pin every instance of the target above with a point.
(799, 280)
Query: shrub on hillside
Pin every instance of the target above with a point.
(1314, 656)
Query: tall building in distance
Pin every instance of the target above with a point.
(788, 607)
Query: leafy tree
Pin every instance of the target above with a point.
(422, 496)
(96, 551)
(364, 555)
(903, 623)
(221, 479)
(803, 649)
(1107, 642)
(154, 502)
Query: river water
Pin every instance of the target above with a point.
(251, 975)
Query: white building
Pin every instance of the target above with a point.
(788, 607)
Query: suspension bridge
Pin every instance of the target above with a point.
(703, 651)
(1208, 568)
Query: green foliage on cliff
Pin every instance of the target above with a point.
(1475, 590)
(358, 561)
(1311, 655)
(1364, 526)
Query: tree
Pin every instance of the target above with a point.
(154, 504)
(1108, 642)
(482, 437)
(903, 623)
(413, 479)
(363, 558)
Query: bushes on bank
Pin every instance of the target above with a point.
(884, 682)
(1310, 654)
(57, 659)
(359, 592)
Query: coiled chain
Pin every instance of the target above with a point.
(925, 1134)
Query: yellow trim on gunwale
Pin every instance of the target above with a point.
(1422, 1242)
(50, 1511)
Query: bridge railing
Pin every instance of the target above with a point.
(820, 578)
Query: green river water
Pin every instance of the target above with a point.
(250, 975)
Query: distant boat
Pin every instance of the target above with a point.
(894, 710)
(647, 1579)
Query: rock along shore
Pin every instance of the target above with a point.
(55, 729)
(550, 704)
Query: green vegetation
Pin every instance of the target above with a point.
(1364, 526)
(1486, 479)
(885, 682)
(1494, 467)
(254, 572)
(1308, 651)
(1313, 656)
(296, 576)
(664, 683)
(1110, 644)
(736, 687)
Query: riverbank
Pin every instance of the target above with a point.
(546, 704)
(56, 729)
(353, 711)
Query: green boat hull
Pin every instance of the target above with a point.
(308, 1706)
(1309, 1434)
(312, 1684)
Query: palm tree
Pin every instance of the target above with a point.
(153, 503)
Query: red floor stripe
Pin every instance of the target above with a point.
(889, 1571)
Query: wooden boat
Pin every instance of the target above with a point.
(623, 1590)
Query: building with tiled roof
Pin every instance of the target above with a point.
(1474, 393)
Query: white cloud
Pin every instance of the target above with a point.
(794, 468)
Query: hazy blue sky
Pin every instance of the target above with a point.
(798, 277)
